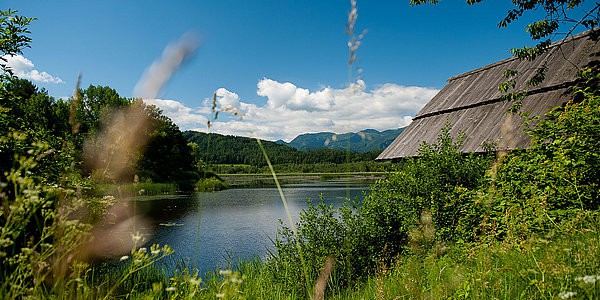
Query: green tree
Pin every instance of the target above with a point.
(167, 157)
(14, 35)
(94, 106)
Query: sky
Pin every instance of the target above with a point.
(278, 68)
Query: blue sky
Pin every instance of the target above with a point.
(282, 64)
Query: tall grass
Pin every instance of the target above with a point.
(130, 190)
(561, 265)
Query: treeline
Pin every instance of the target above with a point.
(361, 166)
(213, 149)
(81, 135)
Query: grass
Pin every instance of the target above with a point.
(210, 185)
(266, 180)
(550, 267)
(128, 190)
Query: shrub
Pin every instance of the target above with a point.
(210, 185)
(557, 176)
(439, 182)
(428, 199)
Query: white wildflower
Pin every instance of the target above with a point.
(225, 272)
(588, 279)
(221, 295)
(108, 198)
(142, 250)
(171, 289)
(566, 295)
(124, 257)
(155, 252)
(137, 237)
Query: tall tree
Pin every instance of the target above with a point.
(167, 157)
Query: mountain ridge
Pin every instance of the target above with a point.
(362, 141)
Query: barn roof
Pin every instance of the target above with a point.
(472, 103)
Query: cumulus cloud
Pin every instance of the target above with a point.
(183, 116)
(289, 96)
(290, 110)
(24, 68)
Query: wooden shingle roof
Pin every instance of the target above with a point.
(472, 103)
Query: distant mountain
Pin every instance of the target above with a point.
(362, 141)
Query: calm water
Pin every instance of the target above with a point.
(210, 230)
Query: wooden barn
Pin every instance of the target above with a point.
(472, 103)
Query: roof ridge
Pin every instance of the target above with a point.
(512, 58)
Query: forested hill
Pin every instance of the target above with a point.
(213, 148)
(363, 141)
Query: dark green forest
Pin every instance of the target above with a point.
(213, 148)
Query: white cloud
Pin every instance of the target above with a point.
(182, 115)
(24, 68)
(291, 110)
(291, 97)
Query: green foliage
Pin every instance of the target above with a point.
(130, 190)
(215, 149)
(211, 184)
(436, 182)
(429, 193)
(562, 266)
(323, 233)
(167, 156)
(14, 35)
(39, 239)
(542, 186)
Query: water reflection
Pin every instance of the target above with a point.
(214, 229)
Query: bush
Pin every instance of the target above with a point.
(323, 234)
(437, 183)
(211, 184)
(557, 176)
(428, 199)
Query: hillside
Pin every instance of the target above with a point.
(362, 141)
(215, 148)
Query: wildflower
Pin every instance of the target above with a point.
(221, 295)
(588, 279)
(155, 251)
(171, 289)
(142, 250)
(137, 261)
(137, 237)
(566, 295)
(225, 272)
(108, 198)
(195, 281)
(124, 257)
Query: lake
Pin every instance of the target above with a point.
(213, 230)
